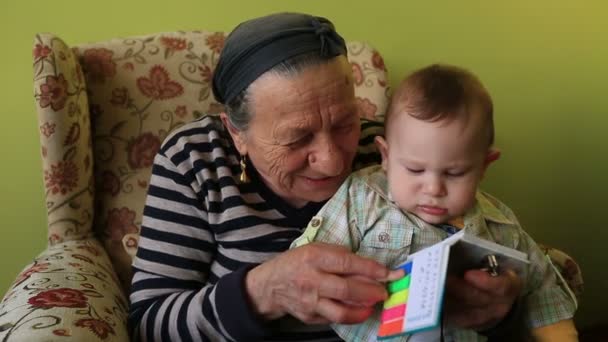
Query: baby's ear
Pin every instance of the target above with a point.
(383, 148)
(492, 156)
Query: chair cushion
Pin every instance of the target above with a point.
(69, 292)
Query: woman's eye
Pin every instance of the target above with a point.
(300, 141)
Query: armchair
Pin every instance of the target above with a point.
(104, 110)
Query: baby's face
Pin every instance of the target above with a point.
(434, 168)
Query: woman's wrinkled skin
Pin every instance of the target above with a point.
(304, 132)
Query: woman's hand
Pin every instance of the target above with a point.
(480, 301)
(318, 283)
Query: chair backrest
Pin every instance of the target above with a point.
(104, 110)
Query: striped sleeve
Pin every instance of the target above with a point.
(367, 154)
(171, 296)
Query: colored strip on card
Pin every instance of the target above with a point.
(393, 313)
(390, 328)
(407, 268)
(398, 285)
(396, 299)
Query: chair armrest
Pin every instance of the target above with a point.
(70, 291)
(65, 139)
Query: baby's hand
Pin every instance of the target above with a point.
(479, 300)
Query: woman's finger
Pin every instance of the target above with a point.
(343, 313)
(338, 260)
(352, 289)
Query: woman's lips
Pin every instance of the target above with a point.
(321, 182)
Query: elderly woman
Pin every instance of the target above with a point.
(229, 193)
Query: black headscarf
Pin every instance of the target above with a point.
(257, 45)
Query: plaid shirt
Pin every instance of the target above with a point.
(362, 217)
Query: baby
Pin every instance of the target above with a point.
(439, 136)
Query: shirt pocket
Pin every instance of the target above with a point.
(387, 243)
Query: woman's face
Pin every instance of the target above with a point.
(304, 131)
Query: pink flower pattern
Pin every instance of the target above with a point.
(54, 92)
(54, 239)
(142, 150)
(33, 269)
(63, 297)
(47, 129)
(121, 222)
(100, 328)
(180, 111)
(175, 44)
(215, 42)
(63, 177)
(110, 183)
(120, 97)
(41, 51)
(61, 332)
(377, 61)
(158, 86)
(98, 64)
(366, 108)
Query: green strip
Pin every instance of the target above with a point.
(398, 285)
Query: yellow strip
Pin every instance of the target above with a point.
(396, 299)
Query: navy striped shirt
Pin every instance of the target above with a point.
(203, 230)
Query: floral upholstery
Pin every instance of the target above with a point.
(71, 291)
(104, 110)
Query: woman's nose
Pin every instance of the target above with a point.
(327, 159)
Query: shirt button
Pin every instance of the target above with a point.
(384, 237)
(315, 223)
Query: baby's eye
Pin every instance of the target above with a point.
(414, 170)
(455, 173)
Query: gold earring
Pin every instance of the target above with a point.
(243, 178)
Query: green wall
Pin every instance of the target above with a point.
(544, 61)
